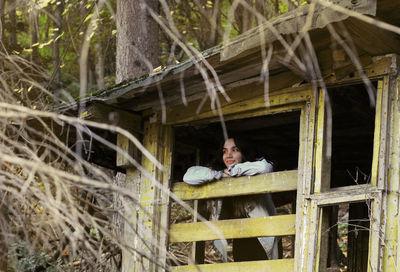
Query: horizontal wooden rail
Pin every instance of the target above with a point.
(246, 185)
(282, 265)
(235, 228)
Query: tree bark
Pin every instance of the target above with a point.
(293, 4)
(34, 35)
(4, 226)
(208, 23)
(12, 45)
(137, 39)
(99, 69)
(56, 47)
(243, 17)
(2, 2)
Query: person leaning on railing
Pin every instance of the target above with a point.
(239, 160)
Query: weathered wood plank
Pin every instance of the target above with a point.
(288, 96)
(235, 228)
(110, 115)
(391, 247)
(129, 147)
(281, 265)
(380, 178)
(323, 146)
(166, 146)
(352, 194)
(306, 166)
(377, 135)
(147, 214)
(265, 183)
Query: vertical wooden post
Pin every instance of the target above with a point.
(166, 158)
(130, 208)
(198, 248)
(132, 123)
(132, 183)
(152, 218)
(3, 234)
(306, 162)
(379, 174)
(391, 207)
(323, 174)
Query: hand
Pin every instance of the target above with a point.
(225, 174)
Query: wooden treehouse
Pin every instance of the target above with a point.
(336, 145)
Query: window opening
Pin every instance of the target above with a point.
(347, 235)
(276, 137)
(353, 122)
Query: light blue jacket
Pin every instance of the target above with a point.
(198, 175)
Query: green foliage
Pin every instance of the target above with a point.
(25, 260)
(76, 17)
(200, 24)
(194, 20)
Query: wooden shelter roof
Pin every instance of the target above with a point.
(238, 61)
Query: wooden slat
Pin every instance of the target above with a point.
(266, 183)
(350, 194)
(236, 228)
(188, 114)
(282, 265)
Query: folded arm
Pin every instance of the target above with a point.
(197, 175)
(250, 168)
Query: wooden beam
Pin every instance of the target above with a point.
(109, 115)
(352, 194)
(129, 121)
(285, 97)
(265, 183)
(280, 225)
(254, 266)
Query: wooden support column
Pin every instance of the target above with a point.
(132, 123)
(304, 185)
(379, 175)
(391, 208)
(323, 175)
(198, 248)
(152, 219)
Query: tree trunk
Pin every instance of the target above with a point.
(99, 69)
(4, 231)
(56, 47)
(293, 4)
(243, 16)
(137, 39)
(208, 23)
(34, 35)
(13, 26)
(276, 7)
(2, 19)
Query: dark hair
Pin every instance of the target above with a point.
(248, 151)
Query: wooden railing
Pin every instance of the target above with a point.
(281, 225)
